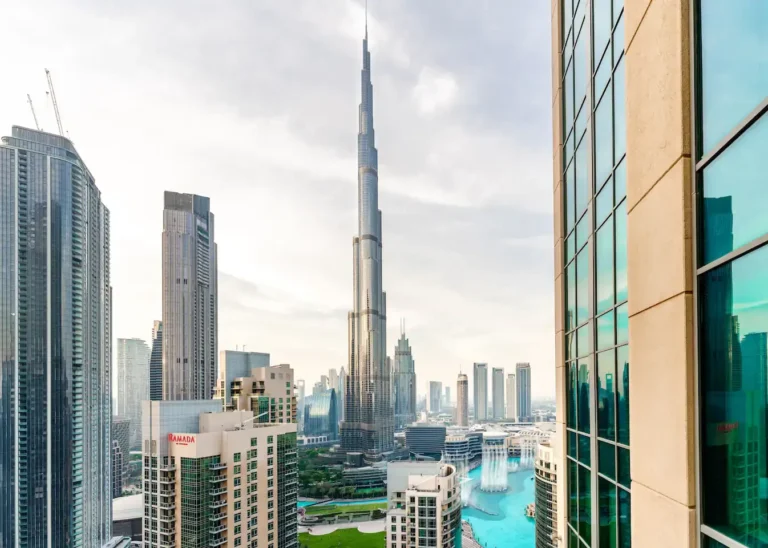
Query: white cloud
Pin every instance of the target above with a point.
(436, 91)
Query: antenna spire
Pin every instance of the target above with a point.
(366, 19)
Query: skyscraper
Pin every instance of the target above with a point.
(480, 388)
(511, 397)
(447, 398)
(523, 381)
(462, 400)
(190, 298)
(132, 386)
(435, 396)
(56, 346)
(369, 419)
(156, 363)
(404, 381)
(333, 380)
(659, 248)
(340, 399)
(497, 389)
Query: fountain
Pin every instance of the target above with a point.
(494, 473)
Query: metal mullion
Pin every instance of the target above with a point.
(719, 537)
(733, 255)
(734, 134)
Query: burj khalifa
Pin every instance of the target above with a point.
(368, 424)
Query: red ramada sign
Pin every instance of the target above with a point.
(181, 439)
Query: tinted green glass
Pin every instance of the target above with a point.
(733, 363)
(570, 247)
(625, 519)
(582, 341)
(604, 203)
(622, 324)
(572, 444)
(573, 540)
(585, 504)
(582, 287)
(606, 459)
(584, 395)
(570, 288)
(601, 26)
(622, 391)
(604, 267)
(582, 182)
(568, 95)
(620, 217)
(573, 390)
(584, 451)
(606, 394)
(581, 123)
(580, 68)
(734, 69)
(603, 138)
(624, 473)
(573, 494)
(582, 232)
(711, 543)
(568, 148)
(734, 198)
(605, 331)
(607, 513)
(620, 178)
(618, 40)
(619, 114)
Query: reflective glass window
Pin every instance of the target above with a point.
(568, 95)
(584, 395)
(584, 450)
(604, 267)
(734, 200)
(625, 519)
(573, 391)
(621, 252)
(606, 459)
(605, 331)
(603, 139)
(622, 392)
(601, 26)
(620, 178)
(580, 68)
(573, 499)
(624, 473)
(606, 373)
(585, 504)
(607, 513)
(582, 279)
(582, 341)
(619, 115)
(572, 444)
(582, 183)
(622, 324)
(582, 232)
(734, 67)
(570, 197)
(570, 288)
(604, 203)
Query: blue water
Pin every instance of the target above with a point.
(303, 503)
(510, 528)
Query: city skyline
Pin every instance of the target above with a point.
(226, 142)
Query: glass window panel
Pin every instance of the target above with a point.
(734, 67)
(567, 11)
(604, 267)
(570, 198)
(582, 232)
(573, 540)
(607, 513)
(620, 176)
(581, 122)
(570, 247)
(582, 182)
(568, 149)
(605, 331)
(578, 16)
(618, 5)
(622, 391)
(735, 201)
(604, 203)
(582, 341)
(620, 217)
(585, 505)
(583, 418)
(601, 25)
(603, 139)
(734, 363)
(602, 76)
(570, 346)
(582, 278)
(584, 451)
(624, 477)
(625, 519)
(570, 289)
(568, 95)
(618, 40)
(572, 444)
(711, 543)
(573, 390)
(622, 324)
(573, 494)
(580, 68)
(619, 116)
(606, 459)
(606, 375)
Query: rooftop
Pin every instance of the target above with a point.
(130, 507)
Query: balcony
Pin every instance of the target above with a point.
(168, 493)
(167, 505)
(167, 518)
(166, 480)
(217, 517)
(218, 466)
(218, 529)
(218, 504)
(218, 541)
(167, 467)
(169, 542)
(217, 479)
(218, 491)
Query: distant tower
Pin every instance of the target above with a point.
(480, 388)
(156, 363)
(404, 382)
(524, 392)
(462, 400)
(511, 398)
(497, 387)
(132, 386)
(435, 396)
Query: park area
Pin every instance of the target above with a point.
(328, 509)
(343, 538)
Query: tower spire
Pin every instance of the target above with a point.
(366, 19)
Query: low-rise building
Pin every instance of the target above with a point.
(423, 505)
(425, 439)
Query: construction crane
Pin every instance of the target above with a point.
(32, 108)
(53, 99)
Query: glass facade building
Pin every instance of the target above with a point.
(321, 415)
(55, 343)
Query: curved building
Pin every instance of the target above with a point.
(546, 497)
(321, 416)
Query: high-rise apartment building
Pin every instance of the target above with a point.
(132, 386)
(447, 397)
(156, 363)
(333, 379)
(56, 346)
(435, 396)
(368, 415)
(267, 391)
(480, 388)
(190, 298)
(545, 475)
(121, 452)
(235, 364)
(660, 128)
(462, 400)
(404, 381)
(423, 505)
(523, 383)
(217, 478)
(497, 392)
(511, 398)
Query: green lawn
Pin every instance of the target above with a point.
(343, 538)
(344, 508)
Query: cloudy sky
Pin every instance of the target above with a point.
(254, 103)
